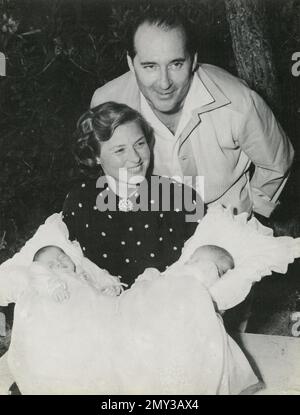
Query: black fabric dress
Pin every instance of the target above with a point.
(127, 242)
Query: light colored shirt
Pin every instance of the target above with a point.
(166, 148)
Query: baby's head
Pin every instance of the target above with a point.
(54, 258)
(212, 253)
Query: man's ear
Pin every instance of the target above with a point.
(130, 63)
(195, 61)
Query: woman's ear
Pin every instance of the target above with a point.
(130, 62)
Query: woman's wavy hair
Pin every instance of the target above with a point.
(98, 125)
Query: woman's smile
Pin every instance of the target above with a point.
(135, 169)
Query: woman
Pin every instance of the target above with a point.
(147, 218)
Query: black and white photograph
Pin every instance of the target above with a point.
(149, 199)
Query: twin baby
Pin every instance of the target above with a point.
(58, 263)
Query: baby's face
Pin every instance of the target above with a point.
(57, 260)
(205, 254)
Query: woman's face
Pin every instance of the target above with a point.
(126, 155)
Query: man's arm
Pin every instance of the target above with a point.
(261, 137)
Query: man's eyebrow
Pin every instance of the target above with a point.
(148, 63)
(178, 60)
(155, 63)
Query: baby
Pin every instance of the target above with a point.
(212, 254)
(211, 260)
(59, 263)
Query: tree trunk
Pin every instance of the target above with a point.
(252, 49)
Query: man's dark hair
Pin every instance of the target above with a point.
(166, 18)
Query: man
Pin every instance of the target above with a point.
(206, 122)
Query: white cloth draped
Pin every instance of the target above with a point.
(162, 336)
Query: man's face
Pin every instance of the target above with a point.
(162, 66)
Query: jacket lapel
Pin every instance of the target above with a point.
(219, 100)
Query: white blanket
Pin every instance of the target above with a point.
(162, 336)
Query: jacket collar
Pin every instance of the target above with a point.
(218, 100)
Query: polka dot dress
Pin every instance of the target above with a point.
(125, 243)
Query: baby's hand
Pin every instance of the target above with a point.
(112, 290)
(58, 290)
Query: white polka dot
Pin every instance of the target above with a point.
(95, 208)
(161, 238)
(152, 255)
(152, 201)
(83, 248)
(161, 215)
(103, 233)
(177, 210)
(100, 193)
(109, 216)
(73, 213)
(86, 225)
(146, 226)
(80, 205)
(122, 242)
(127, 260)
(130, 228)
(171, 230)
(83, 185)
(175, 248)
(138, 242)
(104, 255)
